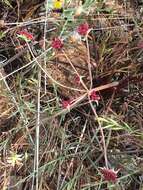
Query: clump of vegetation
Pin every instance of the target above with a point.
(71, 83)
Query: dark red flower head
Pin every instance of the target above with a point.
(57, 43)
(66, 103)
(83, 29)
(94, 96)
(109, 174)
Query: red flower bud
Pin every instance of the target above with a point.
(94, 96)
(57, 43)
(83, 29)
(66, 103)
(109, 174)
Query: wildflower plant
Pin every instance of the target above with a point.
(58, 4)
(94, 96)
(25, 35)
(57, 43)
(78, 39)
(66, 104)
(109, 175)
(83, 29)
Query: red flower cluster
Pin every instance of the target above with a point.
(109, 174)
(26, 35)
(57, 43)
(66, 103)
(83, 29)
(94, 96)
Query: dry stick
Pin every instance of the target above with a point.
(36, 60)
(44, 46)
(18, 55)
(42, 19)
(75, 65)
(36, 160)
(18, 9)
(56, 82)
(102, 133)
(15, 102)
(110, 131)
(110, 102)
(81, 98)
(72, 160)
(88, 60)
(37, 129)
(51, 19)
(60, 164)
(83, 84)
(12, 58)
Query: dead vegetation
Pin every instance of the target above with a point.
(55, 134)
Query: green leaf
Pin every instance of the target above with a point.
(2, 34)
